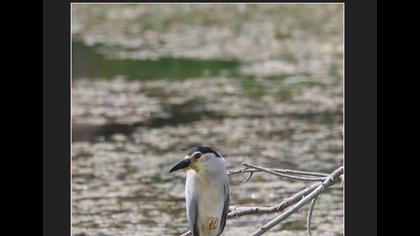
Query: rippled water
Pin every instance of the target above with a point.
(134, 117)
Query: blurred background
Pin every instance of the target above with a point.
(261, 84)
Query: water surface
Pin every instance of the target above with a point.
(150, 82)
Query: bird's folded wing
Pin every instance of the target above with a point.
(225, 208)
(192, 214)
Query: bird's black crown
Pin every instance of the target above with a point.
(203, 150)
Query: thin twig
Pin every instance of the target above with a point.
(282, 171)
(186, 233)
(248, 177)
(287, 171)
(308, 219)
(285, 175)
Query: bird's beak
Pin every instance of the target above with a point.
(181, 165)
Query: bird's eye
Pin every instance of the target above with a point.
(197, 155)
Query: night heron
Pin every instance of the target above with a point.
(206, 191)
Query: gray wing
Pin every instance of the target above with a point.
(225, 208)
(192, 214)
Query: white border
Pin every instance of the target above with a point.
(199, 3)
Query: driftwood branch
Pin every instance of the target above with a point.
(291, 204)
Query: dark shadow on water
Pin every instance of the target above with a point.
(179, 114)
(183, 114)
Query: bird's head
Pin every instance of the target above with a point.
(198, 158)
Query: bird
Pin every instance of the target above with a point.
(206, 190)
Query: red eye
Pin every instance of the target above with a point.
(197, 155)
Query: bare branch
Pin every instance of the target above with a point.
(321, 187)
(240, 211)
(287, 171)
(342, 181)
(248, 177)
(284, 175)
(308, 219)
(186, 233)
(282, 171)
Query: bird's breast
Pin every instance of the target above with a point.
(210, 208)
(210, 201)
